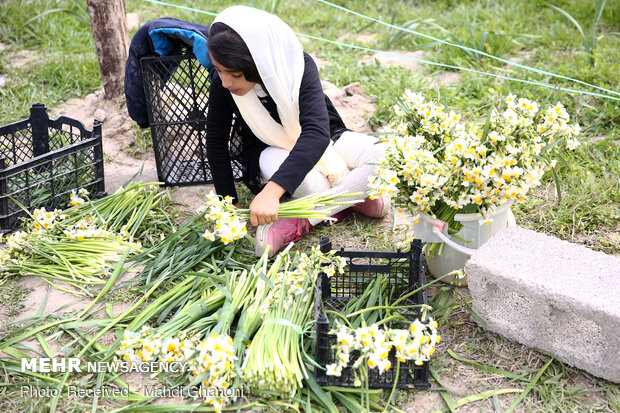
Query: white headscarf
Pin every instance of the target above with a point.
(278, 56)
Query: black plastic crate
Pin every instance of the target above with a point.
(43, 160)
(177, 92)
(404, 272)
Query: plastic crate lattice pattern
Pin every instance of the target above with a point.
(43, 160)
(404, 272)
(177, 92)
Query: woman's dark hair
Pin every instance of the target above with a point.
(228, 48)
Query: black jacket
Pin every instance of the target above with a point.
(319, 122)
(158, 38)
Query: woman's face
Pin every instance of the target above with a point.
(233, 80)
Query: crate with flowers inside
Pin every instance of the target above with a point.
(372, 326)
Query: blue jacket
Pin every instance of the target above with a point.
(159, 38)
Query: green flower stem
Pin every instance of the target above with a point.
(93, 341)
(311, 206)
(382, 307)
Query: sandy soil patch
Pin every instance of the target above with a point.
(408, 60)
(21, 58)
(352, 105)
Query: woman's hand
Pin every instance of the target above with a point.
(265, 206)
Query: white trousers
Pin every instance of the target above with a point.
(358, 150)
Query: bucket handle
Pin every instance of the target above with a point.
(439, 227)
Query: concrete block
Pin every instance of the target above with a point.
(550, 294)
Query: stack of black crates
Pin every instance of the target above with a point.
(177, 92)
(42, 160)
(404, 271)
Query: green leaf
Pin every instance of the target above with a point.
(109, 309)
(322, 395)
(44, 303)
(481, 396)
(475, 315)
(444, 394)
(577, 25)
(487, 126)
(564, 162)
(117, 271)
(556, 180)
(600, 6)
(98, 385)
(529, 387)
(18, 354)
(488, 369)
(44, 345)
(30, 333)
(349, 403)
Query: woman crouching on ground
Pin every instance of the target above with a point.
(290, 140)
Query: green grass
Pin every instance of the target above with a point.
(61, 63)
(142, 144)
(589, 212)
(12, 295)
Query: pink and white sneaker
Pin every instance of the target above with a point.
(375, 208)
(279, 234)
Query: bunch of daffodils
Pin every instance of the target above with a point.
(288, 284)
(214, 366)
(146, 346)
(222, 219)
(16, 249)
(89, 227)
(435, 163)
(139, 346)
(76, 199)
(373, 346)
(274, 361)
(43, 219)
(57, 248)
(228, 223)
(211, 362)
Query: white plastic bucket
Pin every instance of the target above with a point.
(455, 253)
